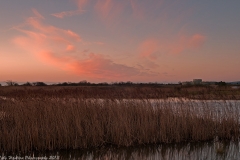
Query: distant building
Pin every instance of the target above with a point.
(209, 83)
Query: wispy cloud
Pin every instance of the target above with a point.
(183, 43)
(152, 47)
(67, 13)
(104, 7)
(81, 3)
(98, 66)
(110, 11)
(148, 48)
(59, 48)
(70, 48)
(36, 13)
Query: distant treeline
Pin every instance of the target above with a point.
(81, 83)
(86, 83)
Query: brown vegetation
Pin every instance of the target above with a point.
(70, 118)
(127, 92)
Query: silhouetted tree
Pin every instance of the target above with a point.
(11, 83)
(39, 84)
(27, 84)
(103, 84)
(64, 84)
(221, 83)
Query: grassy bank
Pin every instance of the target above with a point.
(49, 123)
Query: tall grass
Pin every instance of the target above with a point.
(48, 122)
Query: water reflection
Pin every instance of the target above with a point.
(183, 151)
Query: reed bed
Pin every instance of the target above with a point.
(50, 122)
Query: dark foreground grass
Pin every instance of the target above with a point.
(52, 124)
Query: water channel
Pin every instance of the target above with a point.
(224, 150)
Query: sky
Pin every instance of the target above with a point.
(119, 40)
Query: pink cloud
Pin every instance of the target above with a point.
(40, 38)
(97, 66)
(110, 10)
(197, 41)
(150, 48)
(48, 56)
(104, 7)
(67, 13)
(94, 66)
(70, 48)
(184, 43)
(37, 13)
(57, 47)
(51, 31)
(81, 3)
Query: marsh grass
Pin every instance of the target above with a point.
(52, 122)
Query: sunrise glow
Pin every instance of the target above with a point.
(119, 40)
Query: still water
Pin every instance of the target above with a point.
(185, 151)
